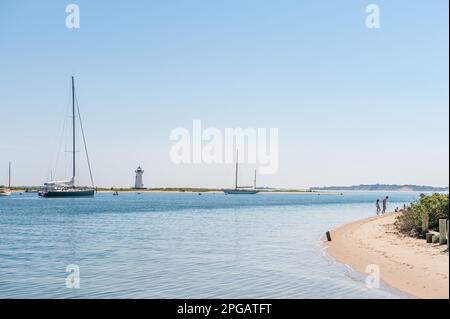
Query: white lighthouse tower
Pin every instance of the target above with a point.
(139, 183)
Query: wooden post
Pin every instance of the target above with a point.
(425, 222)
(448, 241)
(442, 231)
(428, 237)
(435, 239)
(328, 236)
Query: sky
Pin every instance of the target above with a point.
(352, 105)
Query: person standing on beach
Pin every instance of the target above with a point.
(385, 200)
(378, 207)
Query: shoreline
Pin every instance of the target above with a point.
(407, 264)
(214, 192)
(125, 191)
(218, 191)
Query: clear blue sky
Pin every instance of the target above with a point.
(353, 105)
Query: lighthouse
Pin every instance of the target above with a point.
(138, 183)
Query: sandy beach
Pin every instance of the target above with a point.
(408, 264)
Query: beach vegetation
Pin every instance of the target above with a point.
(411, 218)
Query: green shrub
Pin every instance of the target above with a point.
(436, 206)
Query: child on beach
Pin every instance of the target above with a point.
(378, 207)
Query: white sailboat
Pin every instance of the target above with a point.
(68, 188)
(7, 191)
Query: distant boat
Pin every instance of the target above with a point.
(7, 191)
(241, 190)
(68, 188)
(115, 193)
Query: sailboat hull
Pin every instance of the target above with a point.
(69, 193)
(240, 191)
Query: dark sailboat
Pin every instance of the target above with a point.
(68, 188)
(241, 190)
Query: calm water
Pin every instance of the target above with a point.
(181, 246)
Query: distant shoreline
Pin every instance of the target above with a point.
(189, 190)
(215, 190)
(405, 263)
(312, 190)
(383, 188)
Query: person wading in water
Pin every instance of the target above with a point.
(385, 200)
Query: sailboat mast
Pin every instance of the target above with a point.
(73, 130)
(236, 177)
(9, 175)
(254, 181)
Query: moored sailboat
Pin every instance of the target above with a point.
(241, 190)
(69, 188)
(7, 191)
